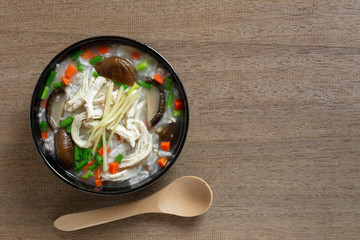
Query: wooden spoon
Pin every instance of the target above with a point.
(186, 196)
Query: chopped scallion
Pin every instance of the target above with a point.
(68, 129)
(50, 78)
(177, 113)
(79, 66)
(77, 153)
(121, 84)
(44, 94)
(98, 159)
(96, 59)
(168, 83)
(144, 84)
(76, 55)
(142, 66)
(66, 122)
(87, 152)
(101, 143)
(134, 87)
(57, 84)
(81, 164)
(94, 166)
(43, 126)
(89, 174)
(119, 158)
(85, 157)
(169, 100)
(95, 74)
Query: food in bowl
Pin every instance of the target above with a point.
(110, 113)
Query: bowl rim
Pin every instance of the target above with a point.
(119, 40)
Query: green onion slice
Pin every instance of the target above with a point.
(57, 84)
(121, 84)
(77, 152)
(50, 78)
(79, 66)
(76, 55)
(68, 129)
(169, 100)
(94, 166)
(168, 83)
(144, 84)
(96, 59)
(177, 113)
(142, 66)
(119, 158)
(44, 94)
(66, 122)
(43, 126)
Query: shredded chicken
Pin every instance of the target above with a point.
(78, 100)
(97, 113)
(129, 132)
(75, 129)
(142, 149)
(127, 135)
(100, 97)
(91, 93)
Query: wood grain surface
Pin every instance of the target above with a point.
(274, 94)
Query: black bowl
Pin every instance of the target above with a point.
(108, 188)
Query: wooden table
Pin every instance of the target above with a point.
(274, 95)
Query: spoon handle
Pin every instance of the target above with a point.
(75, 221)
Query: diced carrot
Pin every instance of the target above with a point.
(113, 167)
(103, 50)
(101, 151)
(86, 55)
(66, 81)
(165, 146)
(118, 137)
(162, 161)
(178, 104)
(159, 78)
(136, 55)
(88, 165)
(44, 135)
(98, 182)
(93, 55)
(43, 103)
(97, 173)
(70, 71)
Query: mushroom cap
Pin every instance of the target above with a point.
(117, 69)
(64, 148)
(151, 102)
(55, 109)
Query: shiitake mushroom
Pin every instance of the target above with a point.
(170, 132)
(117, 69)
(151, 101)
(64, 148)
(54, 108)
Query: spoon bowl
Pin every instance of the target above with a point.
(186, 197)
